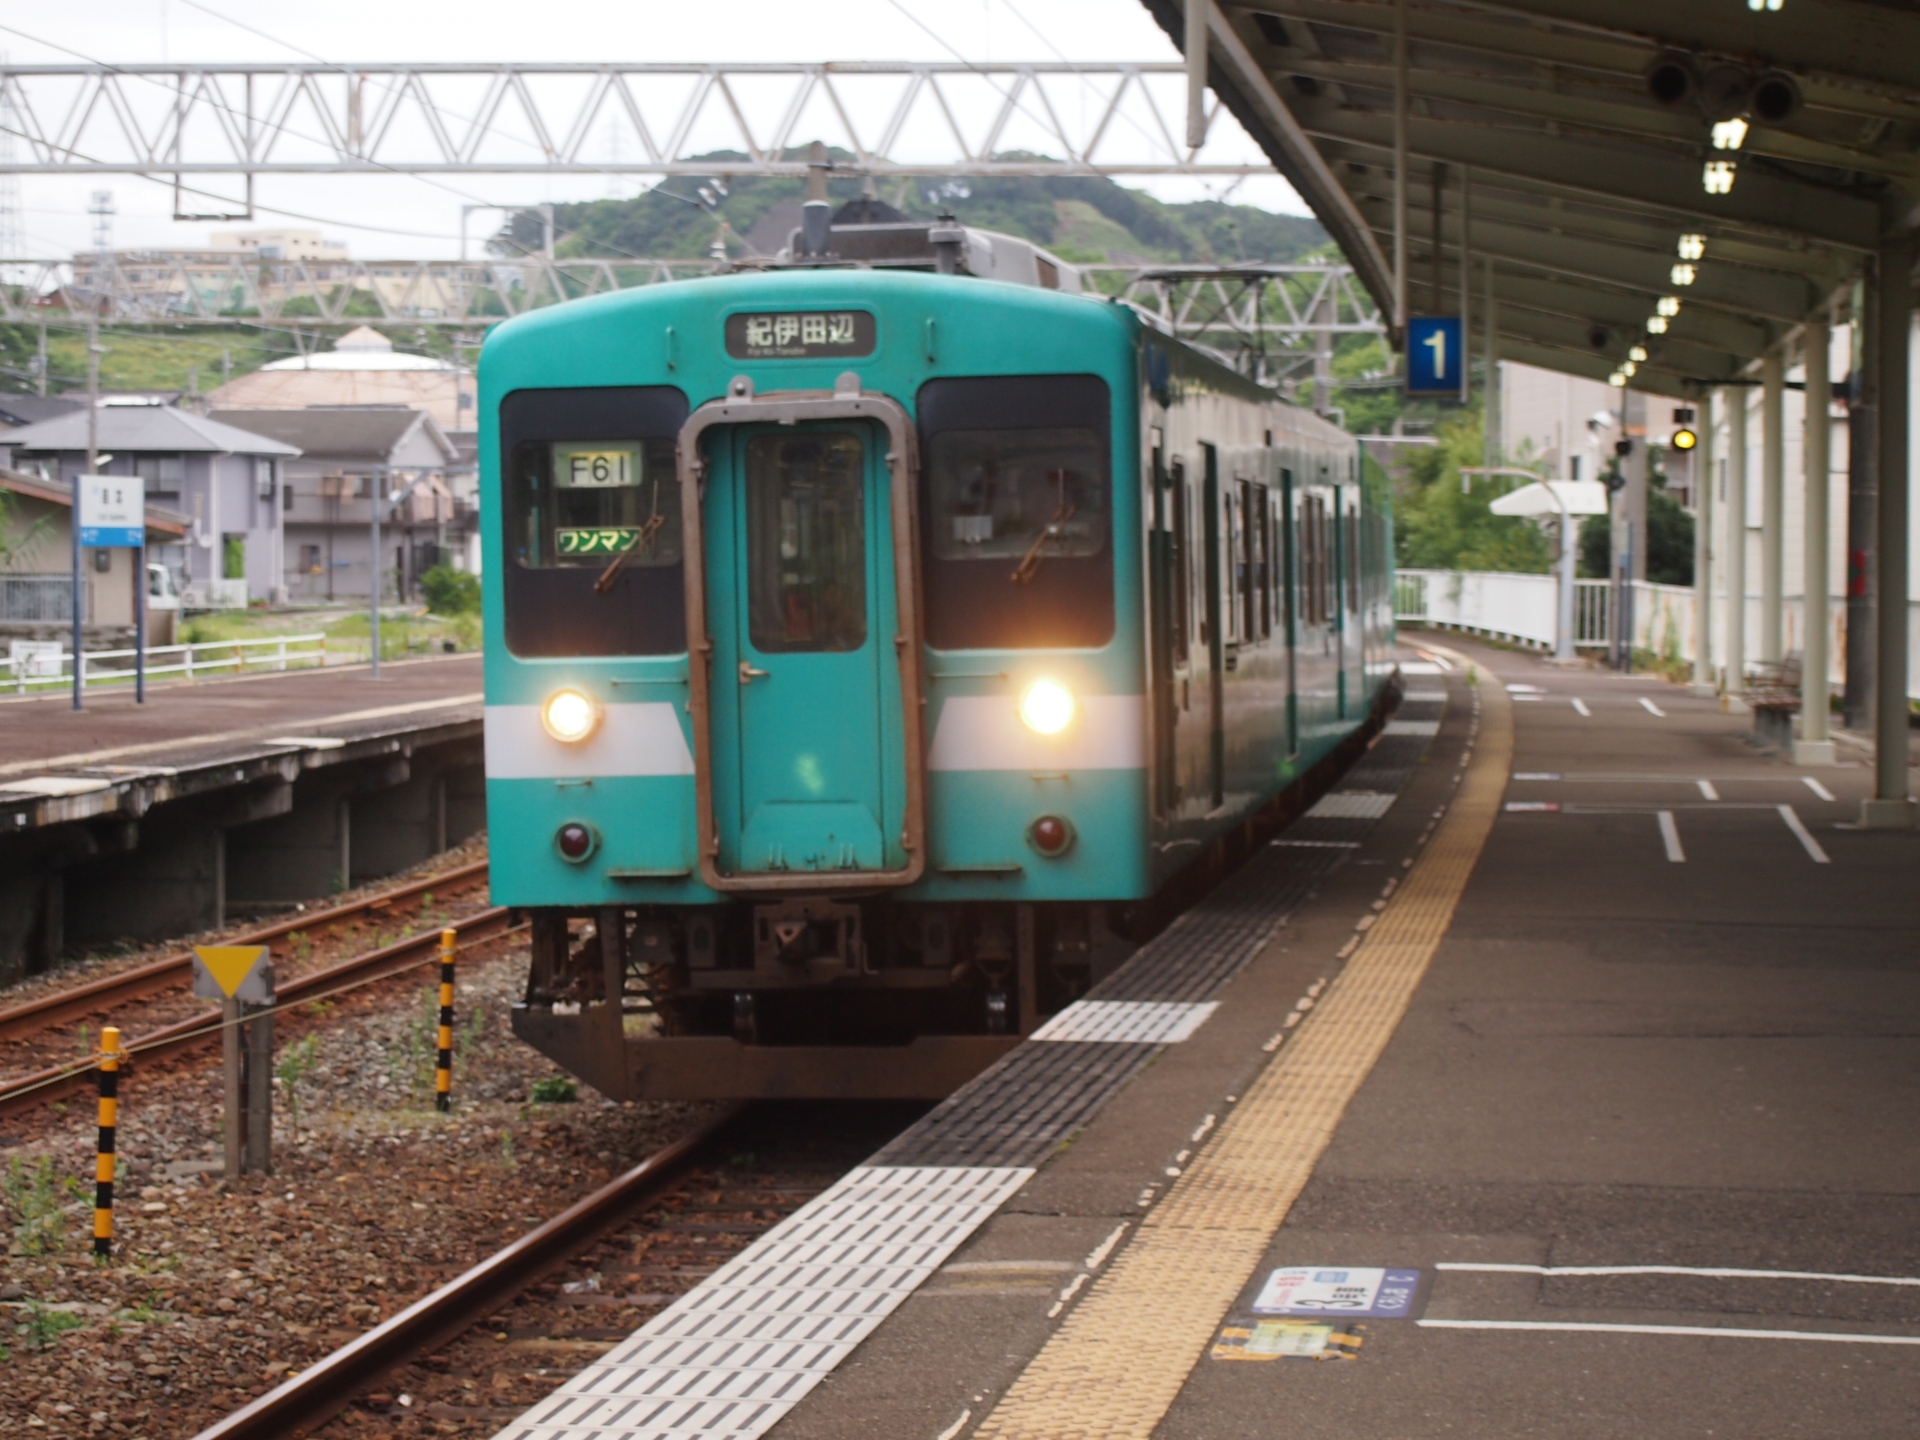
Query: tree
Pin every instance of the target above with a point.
(1438, 527)
(1669, 540)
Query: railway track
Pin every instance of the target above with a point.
(111, 993)
(638, 1242)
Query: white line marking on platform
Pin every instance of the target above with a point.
(1803, 835)
(1651, 708)
(1105, 1247)
(1817, 788)
(1581, 706)
(1707, 790)
(1352, 805)
(1420, 667)
(1425, 697)
(1145, 1022)
(957, 1426)
(1321, 844)
(728, 1359)
(1670, 836)
(1412, 727)
(1536, 775)
(1711, 1272)
(1603, 1328)
(1526, 697)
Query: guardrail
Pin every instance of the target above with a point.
(1522, 609)
(40, 668)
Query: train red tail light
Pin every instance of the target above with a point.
(575, 841)
(1051, 835)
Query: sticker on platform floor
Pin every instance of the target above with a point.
(1288, 1340)
(1337, 1290)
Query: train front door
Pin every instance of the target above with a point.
(809, 772)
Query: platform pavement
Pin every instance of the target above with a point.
(1683, 1043)
(189, 723)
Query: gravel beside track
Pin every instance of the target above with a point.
(219, 1288)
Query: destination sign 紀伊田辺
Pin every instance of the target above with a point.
(800, 335)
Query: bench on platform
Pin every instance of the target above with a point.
(1773, 694)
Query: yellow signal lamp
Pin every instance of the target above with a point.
(1684, 439)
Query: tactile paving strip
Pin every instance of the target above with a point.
(1120, 1358)
(728, 1360)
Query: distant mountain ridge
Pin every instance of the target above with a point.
(1085, 219)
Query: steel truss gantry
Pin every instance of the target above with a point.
(1259, 307)
(885, 118)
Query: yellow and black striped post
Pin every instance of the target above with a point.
(104, 1160)
(443, 1065)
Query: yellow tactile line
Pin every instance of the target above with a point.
(1118, 1361)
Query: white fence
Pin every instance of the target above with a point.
(1521, 608)
(44, 667)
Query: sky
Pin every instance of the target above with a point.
(420, 217)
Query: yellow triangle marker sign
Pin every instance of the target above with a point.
(229, 965)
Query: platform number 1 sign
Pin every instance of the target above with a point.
(1435, 354)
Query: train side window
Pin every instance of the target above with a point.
(1016, 507)
(589, 480)
(1352, 527)
(1262, 531)
(1182, 564)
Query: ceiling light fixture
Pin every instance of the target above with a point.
(1717, 177)
(1730, 134)
(1637, 353)
(1656, 325)
(1669, 306)
(1683, 274)
(1693, 246)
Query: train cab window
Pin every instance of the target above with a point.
(592, 522)
(1016, 506)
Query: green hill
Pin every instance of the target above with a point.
(1084, 219)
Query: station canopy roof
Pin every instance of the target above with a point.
(1588, 129)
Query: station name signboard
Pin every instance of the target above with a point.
(800, 335)
(112, 510)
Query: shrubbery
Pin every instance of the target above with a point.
(450, 591)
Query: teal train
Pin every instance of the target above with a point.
(878, 642)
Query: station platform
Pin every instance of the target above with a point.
(226, 797)
(1552, 1076)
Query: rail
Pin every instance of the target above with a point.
(42, 1086)
(44, 667)
(299, 1406)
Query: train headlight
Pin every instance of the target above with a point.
(569, 716)
(1047, 707)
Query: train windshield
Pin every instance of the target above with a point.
(1017, 510)
(587, 503)
(591, 521)
(1023, 496)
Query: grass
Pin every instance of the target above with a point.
(36, 1198)
(404, 633)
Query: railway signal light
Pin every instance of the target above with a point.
(1684, 439)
